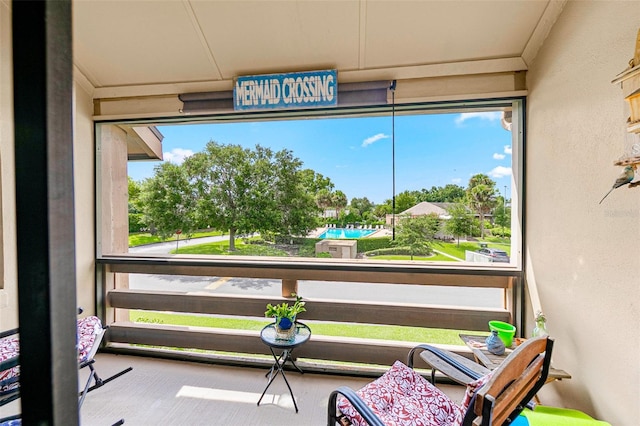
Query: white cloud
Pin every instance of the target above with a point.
(368, 141)
(456, 180)
(507, 149)
(497, 156)
(500, 172)
(177, 155)
(487, 115)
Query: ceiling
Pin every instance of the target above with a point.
(126, 45)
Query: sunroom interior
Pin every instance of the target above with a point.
(113, 72)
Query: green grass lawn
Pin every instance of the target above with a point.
(242, 249)
(383, 332)
(435, 258)
(143, 238)
(222, 248)
(458, 251)
(498, 240)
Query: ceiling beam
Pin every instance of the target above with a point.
(542, 30)
(203, 40)
(362, 56)
(344, 76)
(80, 78)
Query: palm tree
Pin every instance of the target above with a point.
(481, 196)
(323, 200)
(339, 201)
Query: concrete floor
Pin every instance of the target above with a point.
(165, 392)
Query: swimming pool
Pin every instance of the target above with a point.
(337, 233)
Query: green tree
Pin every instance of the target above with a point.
(450, 193)
(502, 214)
(368, 216)
(315, 182)
(323, 200)
(362, 208)
(339, 201)
(296, 212)
(225, 183)
(481, 197)
(349, 217)
(417, 195)
(319, 187)
(133, 188)
(136, 217)
(363, 205)
(460, 221)
(417, 234)
(246, 191)
(404, 201)
(380, 211)
(168, 201)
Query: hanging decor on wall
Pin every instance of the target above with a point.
(629, 81)
(309, 89)
(624, 179)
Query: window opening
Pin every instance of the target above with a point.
(350, 162)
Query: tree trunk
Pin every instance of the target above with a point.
(232, 239)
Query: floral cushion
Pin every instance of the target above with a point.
(471, 390)
(88, 328)
(402, 397)
(9, 348)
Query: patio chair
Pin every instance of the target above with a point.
(90, 333)
(402, 396)
(491, 398)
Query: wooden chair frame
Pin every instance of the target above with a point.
(498, 402)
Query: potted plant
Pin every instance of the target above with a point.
(541, 325)
(285, 316)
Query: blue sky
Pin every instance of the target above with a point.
(430, 150)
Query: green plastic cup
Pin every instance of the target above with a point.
(506, 331)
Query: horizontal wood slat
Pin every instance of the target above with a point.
(326, 270)
(242, 341)
(319, 347)
(369, 351)
(459, 318)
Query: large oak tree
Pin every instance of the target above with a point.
(168, 201)
(246, 191)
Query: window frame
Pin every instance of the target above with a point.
(516, 104)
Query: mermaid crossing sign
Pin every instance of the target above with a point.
(311, 89)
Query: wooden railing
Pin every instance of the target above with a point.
(384, 352)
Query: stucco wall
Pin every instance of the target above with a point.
(84, 188)
(8, 288)
(83, 184)
(583, 256)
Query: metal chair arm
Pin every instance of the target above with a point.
(361, 407)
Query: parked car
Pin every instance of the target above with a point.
(496, 255)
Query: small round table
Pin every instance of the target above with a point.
(268, 336)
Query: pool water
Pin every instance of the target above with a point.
(337, 233)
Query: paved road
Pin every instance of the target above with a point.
(164, 248)
(433, 295)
